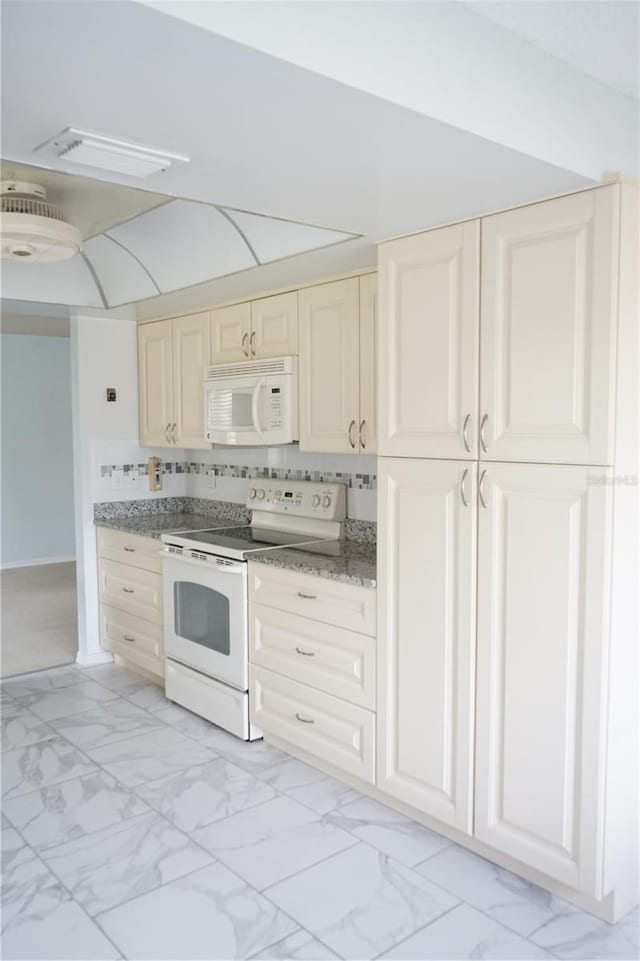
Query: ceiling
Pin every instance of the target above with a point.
(275, 138)
(597, 37)
(139, 245)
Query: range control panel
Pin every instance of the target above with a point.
(303, 498)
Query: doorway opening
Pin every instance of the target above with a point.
(38, 604)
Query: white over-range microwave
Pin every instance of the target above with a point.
(251, 403)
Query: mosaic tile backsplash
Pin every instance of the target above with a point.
(354, 481)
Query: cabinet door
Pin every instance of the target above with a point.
(274, 326)
(155, 393)
(549, 281)
(230, 333)
(328, 366)
(426, 636)
(542, 629)
(191, 350)
(428, 337)
(368, 426)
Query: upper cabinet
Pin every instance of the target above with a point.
(337, 366)
(191, 349)
(429, 297)
(267, 327)
(172, 356)
(543, 306)
(548, 321)
(368, 368)
(274, 326)
(155, 384)
(230, 333)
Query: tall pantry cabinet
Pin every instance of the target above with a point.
(507, 485)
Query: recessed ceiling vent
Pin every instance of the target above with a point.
(31, 228)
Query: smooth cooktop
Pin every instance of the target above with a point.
(243, 540)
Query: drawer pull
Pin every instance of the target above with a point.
(128, 590)
(308, 597)
(305, 720)
(305, 653)
(130, 550)
(128, 637)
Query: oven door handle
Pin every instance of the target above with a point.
(217, 564)
(254, 407)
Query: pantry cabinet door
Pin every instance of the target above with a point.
(191, 351)
(274, 326)
(230, 333)
(543, 563)
(428, 338)
(155, 391)
(328, 366)
(548, 324)
(368, 426)
(426, 636)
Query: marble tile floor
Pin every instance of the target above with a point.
(134, 829)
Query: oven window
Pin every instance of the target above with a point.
(202, 616)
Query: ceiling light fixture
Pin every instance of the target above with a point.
(32, 229)
(93, 150)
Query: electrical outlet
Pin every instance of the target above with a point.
(117, 479)
(211, 479)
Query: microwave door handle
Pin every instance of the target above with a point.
(254, 407)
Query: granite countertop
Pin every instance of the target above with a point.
(153, 525)
(354, 562)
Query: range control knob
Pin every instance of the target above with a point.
(326, 501)
(252, 493)
(260, 495)
(316, 500)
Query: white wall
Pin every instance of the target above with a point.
(103, 354)
(37, 460)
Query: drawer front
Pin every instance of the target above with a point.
(210, 699)
(338, 662)
(332, 730)
(130, 549)
(131, 637)
(131, 589)
(343, 605)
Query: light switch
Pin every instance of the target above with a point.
(211, 478)
(133, 478)
(117, 479)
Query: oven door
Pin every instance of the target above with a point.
(205, 614)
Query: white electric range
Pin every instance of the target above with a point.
(205, 594)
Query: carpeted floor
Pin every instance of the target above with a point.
(38, 618)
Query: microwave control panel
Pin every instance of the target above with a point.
(274, 401)
(303, 498)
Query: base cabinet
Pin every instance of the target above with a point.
(426, 636)
(542, 627)
(130, 586)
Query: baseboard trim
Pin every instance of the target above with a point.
(37, 562)
(93, 659)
